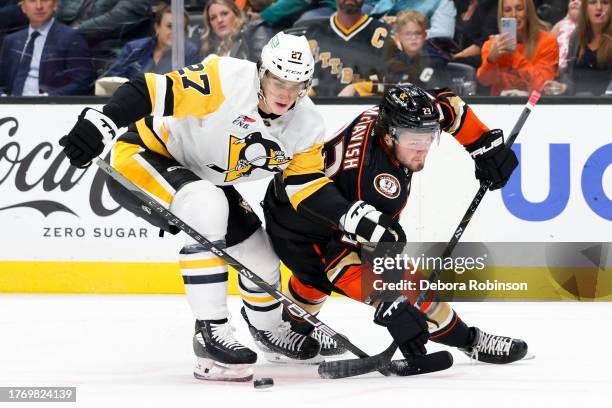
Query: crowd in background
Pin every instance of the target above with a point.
(559, 47)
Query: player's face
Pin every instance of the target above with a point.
(279, 94)
(222, 20)
(411, 153)
(38, 11)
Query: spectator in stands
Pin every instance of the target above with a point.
(223, 30)
(408, 58)
(11, 17)
(153, 54)
(348, 47)
(564, 29)
(521, 65)
(107, 25)
(440, 13)
(285, 13)
(47, 58)
(476, 22)
(589, 70)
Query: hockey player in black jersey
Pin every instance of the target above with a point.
(371, 161)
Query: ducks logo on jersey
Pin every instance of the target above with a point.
(252, 152)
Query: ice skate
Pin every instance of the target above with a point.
(493, 349)
(284, 345)
(219, 355)
(329, 346)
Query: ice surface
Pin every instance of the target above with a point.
(125, 351)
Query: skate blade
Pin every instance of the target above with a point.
(210, 370)
(281, 359)
(329, 356)
(528, 356)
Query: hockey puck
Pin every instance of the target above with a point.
(262, 383)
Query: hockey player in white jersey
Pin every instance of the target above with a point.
(192, 135)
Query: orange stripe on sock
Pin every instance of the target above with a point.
(447, 330)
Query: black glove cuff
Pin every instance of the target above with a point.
(487, 145)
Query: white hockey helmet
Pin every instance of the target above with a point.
(288, 57)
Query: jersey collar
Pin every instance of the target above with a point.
(348, 33)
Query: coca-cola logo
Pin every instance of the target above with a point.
(40, 166)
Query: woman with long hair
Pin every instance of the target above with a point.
(523, 63)
(222, 25)
(589, 70)
(153, 54)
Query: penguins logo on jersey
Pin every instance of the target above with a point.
(252, 152)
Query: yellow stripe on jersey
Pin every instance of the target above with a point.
(351, 28)
(364, 88)
(125, 162)
(196, 90)
(165, 135)
(308, 162)
(202, 263)
(311, 188)
(149, 139)
(151, 81)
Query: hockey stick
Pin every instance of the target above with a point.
(152, 205)
(484, 187)
(339, 368)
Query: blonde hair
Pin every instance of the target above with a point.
(585, 33)
(534, 25)
(410, 16)
(211, 43)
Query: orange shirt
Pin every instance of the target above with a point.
(515, 71)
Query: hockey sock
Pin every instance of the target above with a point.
(263, 310)
(205, 278)
(309, 298)
(452, 331)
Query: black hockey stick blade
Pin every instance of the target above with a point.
(357, 366)
(430, 363)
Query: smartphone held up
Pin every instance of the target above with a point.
(508, 25)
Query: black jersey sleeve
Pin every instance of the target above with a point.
(129, 103)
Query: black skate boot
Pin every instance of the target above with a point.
(220, 356)
(329, 346)
(489, 348)
(283, 345)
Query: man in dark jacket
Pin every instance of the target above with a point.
(47, 58)
(11, 17)
(107, 25)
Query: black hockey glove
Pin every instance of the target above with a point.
(88, 137)
(365, 223)
(494, 161)
(406, 323)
